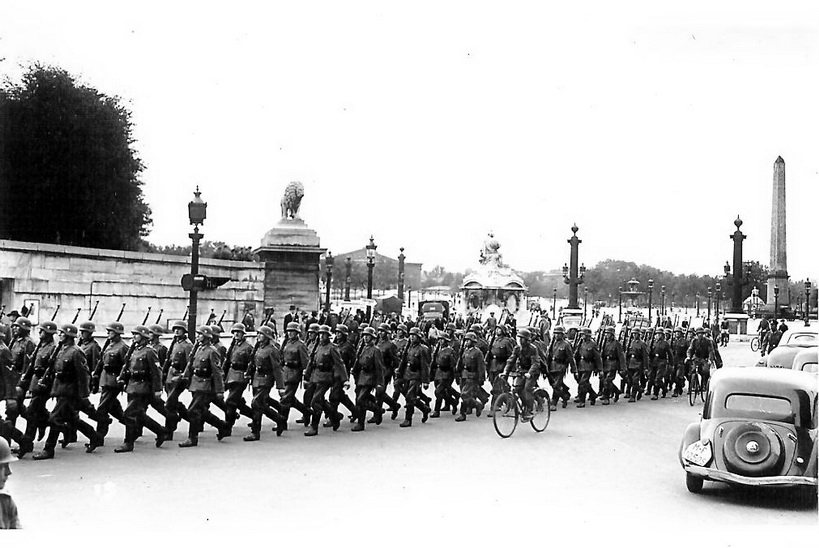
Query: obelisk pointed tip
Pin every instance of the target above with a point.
(779, 160)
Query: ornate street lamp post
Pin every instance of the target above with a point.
(650, 294)
(401, 274)
(328, 261)
(807, 303)
(710, 294)
(776, 302)
(554, 304)
(662, 293)
(716, 303)
(348, 269)
(570, 273)
(697, 296)
(371, 247)
(197, 212)
(620, 304)
(585, 298)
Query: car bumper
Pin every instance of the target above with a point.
(728, 477)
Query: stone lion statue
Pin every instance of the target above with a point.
(291, 201)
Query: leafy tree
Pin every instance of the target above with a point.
(68, 171)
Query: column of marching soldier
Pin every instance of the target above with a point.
(68, 365)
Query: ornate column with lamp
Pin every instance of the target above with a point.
(197, 212)
(371, 247)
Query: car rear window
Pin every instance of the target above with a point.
(759, 407)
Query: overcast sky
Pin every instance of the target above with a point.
(427, 124)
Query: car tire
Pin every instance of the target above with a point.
(693, 483)
(765, 460)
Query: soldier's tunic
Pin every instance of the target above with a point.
(203, 375)
(679, 350)
(637, 356)
(369, 374)
(172, 373)
(309, 386)
(105, 376)
(444, 375)
(389, 359)
(326, 367)
(35, 382)
(415, 372)
(588, 361)
(614, 360)
(401, 345)
(501, 351)
(473, 374)
(701, 351)
(237, 361)
(525, 359)
(264, 373)
(71, 384)
(141, 378)
(21, 348)
(295, 359)
(662, 361)
(337, 394)
(560, 360)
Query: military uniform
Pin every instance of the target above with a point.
(614, 360)
(325, 367)
(338, 396)
(560, 360)
(401, 346)
(265, 371)
(637, 363)
(389, 359)
(141, 379)
(701, 352)
(203, 375)
(501, 351)
(35, 382)
(173, 370)
(588, 361)
(472, 372)
(525, 360)
(237, 360)
(21, 348)
(443, 373)
(157, 403)
(369, 374)
(679, 350)
(662, 361)
(415, 372)
(105, 377)
(295, 359)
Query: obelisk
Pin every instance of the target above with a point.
(778, 271)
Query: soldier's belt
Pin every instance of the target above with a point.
(111, 368)
(202, 373)
(64, 376)
(139, 376)
(239, 366)
(292, 365)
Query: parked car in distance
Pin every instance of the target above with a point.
(758, 427)
(807, 360)
(792, 342)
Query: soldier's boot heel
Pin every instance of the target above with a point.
(190, 442)
(43, 455)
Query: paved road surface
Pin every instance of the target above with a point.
(596, 469)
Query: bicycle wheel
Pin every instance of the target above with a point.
(541, 413)
(704, 388)
(693, 388)
(505, 415)
(755, 344)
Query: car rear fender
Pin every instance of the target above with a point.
(692, 434)
(811, 471)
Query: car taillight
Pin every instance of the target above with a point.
(698, 453)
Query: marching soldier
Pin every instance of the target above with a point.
(662, 361)
(369, 374)
(309, 388)
(501, 351)
(265, 370)
(92, 353)
(140, 379)
(637, 356)
(217, 341)
(472, 372)
(295, 358)
(161, 350)
(443, 373)
(483, 346)
(324, 368)
(614, 360)
(401, 346)
(237, 361)
(560, 360)
(70, 384)
(36, 414)
(414, 370)
(172, 372)
(203, 376)
(679, 349)
(105, 377)
(389, 359)
(525, 364)
(338, 395)
(21, 349)
(588, 361)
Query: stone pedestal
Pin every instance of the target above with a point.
(737, 323)
(291, 252)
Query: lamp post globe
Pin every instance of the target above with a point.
(197, 212)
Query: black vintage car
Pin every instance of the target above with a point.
(758, 427)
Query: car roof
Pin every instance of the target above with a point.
(763, 380)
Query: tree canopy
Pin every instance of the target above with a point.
(68, 171)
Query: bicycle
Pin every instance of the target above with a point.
(755, 343)
(694, 387)
(508, 408)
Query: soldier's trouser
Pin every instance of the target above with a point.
(661, 378)
(65, 414)
(36, 414)
(365, 401)
(307, 398)
(652, 379)
(399, 388)
(199, 413)
(381, 393)
(235, 403)
(526, 391)
(158, 405)
(444, 391)
(289, 400)
(137, 415)
(339, 396)
(584, 386)
(679, 377)
(559, 388)
(469, 395)
(609, 388)
(413, 397)
(173, 409)
(704, 369)
(260, 404)
(634, 382)
(496, 388)
(319, 403)
(109, 405)
(14, 407)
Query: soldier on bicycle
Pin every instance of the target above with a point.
(525, 363)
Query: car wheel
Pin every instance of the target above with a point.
(693, 483)
(753, 449)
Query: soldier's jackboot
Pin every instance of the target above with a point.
(395, 411)
(408, 417)
(192, 441)
(126, 447)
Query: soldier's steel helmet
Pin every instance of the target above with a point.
(341, 328)
(5, 452)
(156, 329)
(49, 327)
(266, 331)
(141, 330)
(23, 323)
(88, 326)
(678, 330)
(180, 325)
(476, 328)
(293, 326)
(586, 330)
(69, 329)
(415, 331)
(559, 329)
(609, 329)
(116, 327)
(205, 331)
(324, 328)
(314, 328)
(700, 330)
(444, 337)
(217, 329)
(524, 333)
(471, 337)
(238, 327)
(402, 327)
(384, 327)
(368, 331)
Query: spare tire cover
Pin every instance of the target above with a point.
(753, 449)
